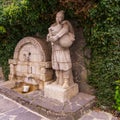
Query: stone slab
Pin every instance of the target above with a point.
(59, 93)
(18, 112)
(98, 115)
(54, 109)
(6, 105)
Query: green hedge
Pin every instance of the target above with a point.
(103, 37)
(117, 95)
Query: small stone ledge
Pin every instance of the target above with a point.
(53, 109)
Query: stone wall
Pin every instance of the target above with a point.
(80, 55)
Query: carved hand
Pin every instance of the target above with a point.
(54, 38)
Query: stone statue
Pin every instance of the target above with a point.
(61, 36)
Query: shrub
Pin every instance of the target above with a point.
(103, 37)
(117, 95)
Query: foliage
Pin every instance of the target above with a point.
(77, 7)
(103, 37)
(117, 95)
(19, 18)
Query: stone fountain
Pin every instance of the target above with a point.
(31, 63)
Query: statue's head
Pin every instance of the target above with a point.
(60, 16)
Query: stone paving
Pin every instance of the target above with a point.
(55, 110)
(11, 110)
(98, 115)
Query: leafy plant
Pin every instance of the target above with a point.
(117, 95)
(103, 37)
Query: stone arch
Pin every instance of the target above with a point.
(32, 59)
(41, 45)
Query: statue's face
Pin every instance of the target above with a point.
(59, 18)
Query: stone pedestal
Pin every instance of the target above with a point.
(59, 93)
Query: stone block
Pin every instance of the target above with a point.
(46, 77)
(47, 64)
(48, 82)
(6, 105)
(59, 93)
(41, 85)
(12, 61)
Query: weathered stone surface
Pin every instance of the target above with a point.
(31, 62)
(1, 97)
(13, 111)
(50, 107)
(114, 118)
(16, 111)
(88, 118)
(27, 116)
(59, 93)
(65, 118)
(98, 115)
(53, 109)
(8, 84)
(1, 75)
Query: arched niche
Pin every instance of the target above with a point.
(34, 45)
(32, 58)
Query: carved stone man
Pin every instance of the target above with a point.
(61, 36)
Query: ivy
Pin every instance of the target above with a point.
(117, 95)
(103, 37)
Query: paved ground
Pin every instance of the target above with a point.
(11, 110)
(98, 115)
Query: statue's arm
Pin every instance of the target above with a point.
(47, 38)
(63, 31)
(49, 34)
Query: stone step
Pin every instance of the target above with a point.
(70, 110)
(11, 110)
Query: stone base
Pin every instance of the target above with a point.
(50, 108)
(59, 93)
